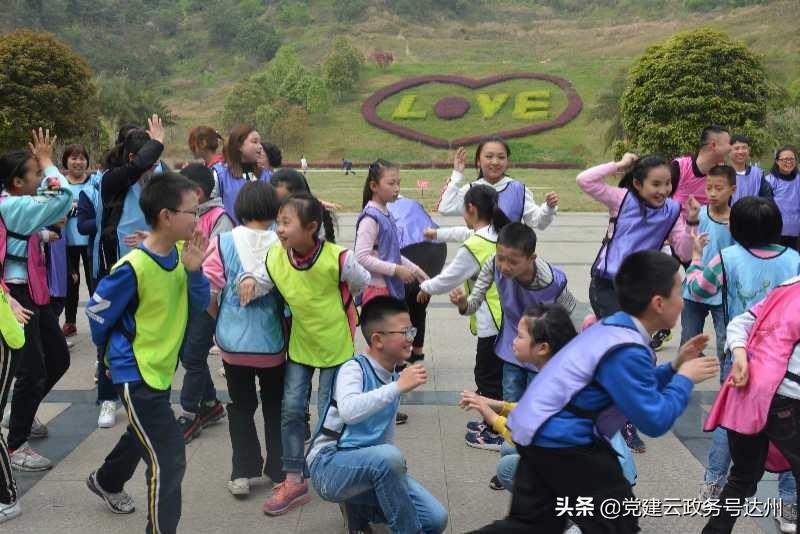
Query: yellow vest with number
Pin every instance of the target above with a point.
(320, 335)
(160, 317)
(482, 249)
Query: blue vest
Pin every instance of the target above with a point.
(787, 197)
(748, 184)
(75, 238)
(567, 373)
(636, 227)
(514, 299)
(257, 328)
(749, 278)
(512, 200)
(370, 431)
(229, 186)
(132, 218)
(411, 219)
(719, 237)
(387, 245)
(57, 267)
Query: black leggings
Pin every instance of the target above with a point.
(74, 256)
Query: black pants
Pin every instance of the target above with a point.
(544, 474)
(74, 256)
(488, 369)
(41, 362)
(603, 297)
(247, 460)
(748, 454)
(8, 489)
(153, 435)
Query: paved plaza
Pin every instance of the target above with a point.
(433, 440)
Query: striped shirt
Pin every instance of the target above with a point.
(705, 281)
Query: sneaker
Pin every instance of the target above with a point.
(108, 414)
(239, 486)
(487, 440)
(96, 370)
(495, 484)
(401, 418)
(27, 459)
(10, 511)
(119, 503)
(632, 438)
(477, 426)
(709, 491)
(69, 329)
(221, 372)
(659, 339)
(38, 430)
(286, 497)
(190, 427)
(787, 522)
(211, 414)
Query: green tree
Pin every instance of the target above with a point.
(692, 80)
(257, 39)
(121, 100)
(606, 109)
(341, 69)
(291, 129)
(43, 83)
(349, 11)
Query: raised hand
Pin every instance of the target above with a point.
(690, 350)
(692, 209)
(42, 147)
(552, 199)
(699, 241)
(412, 377)
(460, 159)
(155, 128)
(627, 161)
(195, 250)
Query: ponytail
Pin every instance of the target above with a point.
(485, 199)
(113, 158)
(329, 223)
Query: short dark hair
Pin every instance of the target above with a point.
(13, 165)
(376, 311)
(724, 170)
(710, 131)
(756, 222)
(519, 237)
(70, 150)
(273, 153)
(551, 324)
(164, 191)
(256, 201)
(739, 138)
(200, 175)
(293, 180)
(642, 276)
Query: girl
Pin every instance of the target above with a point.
(542, 331)
(377, 243)
(516, 200)
(786, 189)
(317, 280)
(75, 160)
(204, 143)
(270, 158)
(290, 182)
(485, 219)
(251, 339)
(240, 166)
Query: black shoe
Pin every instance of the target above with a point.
(190, 427)
(401, 418)
(659, 338)
(211, 414)
(495, 484)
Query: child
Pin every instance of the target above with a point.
(516, 200)
(750, 180)
(29, 204)
(744, 273)
(199, 404)
(522, 279)
(240, 166)
(352, 459)
(12, 336)
(377, 243)
(783, 177)
(713, 227)
(759, 403)
(290, 182)
(317, 280)
(543, 330)
(605, 375)
(689, 172)
(270, 159)
(484, 217)
(204, 143)
(251, 339)
(138, 314)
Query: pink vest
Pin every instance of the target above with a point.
(690, 184)
(769, 347)
(209, 219)
(37, 268)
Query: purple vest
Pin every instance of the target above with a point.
(566, 374)
(388, 246)
(411, 219)
(512, 200)
(748, 184)
(514, 299)
(634, 232)
(229, 185)
(787, 197)
(57, 267)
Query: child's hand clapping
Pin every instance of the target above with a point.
(690, 350)
(459, 162)
(551, 199)
(412, 377)
(194, 252)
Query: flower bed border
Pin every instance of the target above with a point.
(369, 109)
(438, 165)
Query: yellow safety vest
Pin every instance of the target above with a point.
(482, 249)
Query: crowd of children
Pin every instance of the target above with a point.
(235, 252)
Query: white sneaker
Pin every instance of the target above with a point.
(108, 414)
(38, 430)
(27, 459)
(119, 503)
(787, 522)
(239, 486)
(10, 511)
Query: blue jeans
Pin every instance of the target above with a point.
(507, 466)
(515, 381)
(719, 457)
(693, 318)
(198, 387)
(375, 488)
(296, 393)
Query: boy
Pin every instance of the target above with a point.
(605, 375)
(199, 404)
(138, 314)
(352, 459)
(750, 180)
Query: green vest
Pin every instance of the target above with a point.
(321, 306)
(482, 249)
(160, 316)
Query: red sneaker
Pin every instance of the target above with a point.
(286, 497)
(69, 329)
